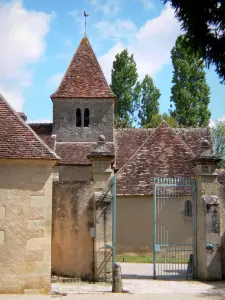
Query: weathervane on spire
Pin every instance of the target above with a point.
(85, 17)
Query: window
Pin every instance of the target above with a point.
(78, 117)
(188, 208)
(86, 118)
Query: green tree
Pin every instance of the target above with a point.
(149, 102)
(157, 119)
(124, 85)
(204, 23)
(190, 91)
(218, 136)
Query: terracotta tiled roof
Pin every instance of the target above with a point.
(193, 137)
(161, 153)
(17, 139)
(44, 131)
(84, 77)
(141, 154)
(76, 153)
(128, 141)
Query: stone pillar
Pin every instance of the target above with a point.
(102, 176)
(208, 219)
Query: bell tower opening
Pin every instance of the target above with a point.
(78, 117)
(86, 117)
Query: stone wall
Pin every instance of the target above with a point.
(101, 120)
(72, 245)
(25, 226)
(222, 226)
(134, 225)
(208, 261)
(74, 173)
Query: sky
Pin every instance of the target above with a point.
(39, 38)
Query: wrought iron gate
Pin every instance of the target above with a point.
(174, 236)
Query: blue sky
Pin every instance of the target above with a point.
(40, 38)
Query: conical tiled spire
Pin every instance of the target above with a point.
(84, 77)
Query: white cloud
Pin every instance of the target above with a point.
(213, 122)
(55, 80)
(107, 7)
(121, 29)
(147, 4)
(76, 15)
(14, 96)
(23, 35)
(107, 59)
(151, 44)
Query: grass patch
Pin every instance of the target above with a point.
(149, 259)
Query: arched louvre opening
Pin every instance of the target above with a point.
(78, 117)
(86, 117)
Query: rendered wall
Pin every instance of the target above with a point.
(25, 226)
(72, 246)
(134, 228)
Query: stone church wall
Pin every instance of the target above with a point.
(25, 226)
(222, 223)
(101, 120)
(72, 245)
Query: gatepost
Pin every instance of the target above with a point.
(208, 218)
(102, 176)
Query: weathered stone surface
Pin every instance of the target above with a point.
(39, 201)
(2, 212)
(2, 237)
(24, 226)
(72, 245)
(39, 243)
(101, 120)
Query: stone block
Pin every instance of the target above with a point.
(32, 255)
(2, 212)
(39, 243)
(40, 201)
(38, 268)
(47, 255)
(35, 224)
(34, 291)
(2, 237)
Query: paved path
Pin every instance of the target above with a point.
(151, 287)
(145, 288)
(145, 271)
(138, 289)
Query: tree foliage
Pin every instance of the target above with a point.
(123, 84)
(218, 136)
(149, 102)
(190, 91)
(157, 119)
(204, 23)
